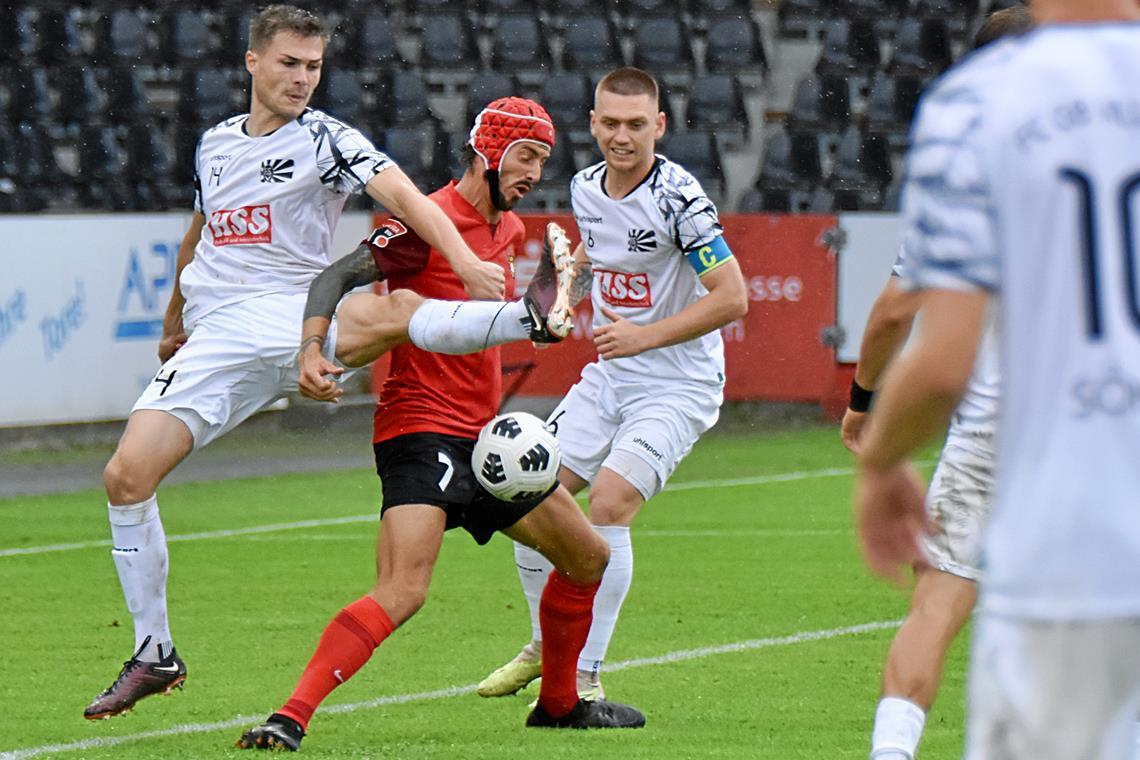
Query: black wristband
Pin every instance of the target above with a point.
(860, 398)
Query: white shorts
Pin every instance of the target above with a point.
(1048, 690)
(640, 430)
(958, 502)
(239, 359)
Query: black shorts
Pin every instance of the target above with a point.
(435, 469)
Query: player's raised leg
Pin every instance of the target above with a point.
(153, 443)
(560, 531)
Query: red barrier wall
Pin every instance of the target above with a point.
(773, 353)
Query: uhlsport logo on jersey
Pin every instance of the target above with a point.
(641, 241)
(244, 225)
(276, 169)
(624, 288)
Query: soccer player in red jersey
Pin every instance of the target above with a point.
(431, 409)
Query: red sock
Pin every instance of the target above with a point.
(346, 644)
(565, 614)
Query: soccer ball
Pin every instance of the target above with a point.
(516, 457)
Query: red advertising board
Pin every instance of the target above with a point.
(775, 352)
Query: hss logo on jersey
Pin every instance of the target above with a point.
(623, 288)
(244, 225)
(641, 241)
(276, 170)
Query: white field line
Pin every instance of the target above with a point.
(691, 485)
(241, 721)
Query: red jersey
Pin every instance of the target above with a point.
(437, 393)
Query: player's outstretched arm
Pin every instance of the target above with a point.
(888, 325)
(173, 334)
(726, 300)
(392, 188)
(352, 271)
(920, 391)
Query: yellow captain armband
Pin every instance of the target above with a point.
(709, 256)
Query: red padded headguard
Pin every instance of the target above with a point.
(506, 122)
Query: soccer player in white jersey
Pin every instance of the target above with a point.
(1022, 186)
(270, 186)
(957, 500)
(664, 282)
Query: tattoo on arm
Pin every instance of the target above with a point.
(582, 283)
(356, 269)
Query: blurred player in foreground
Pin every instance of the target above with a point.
(269, 189)
(429, 415)
(1022, 183)
(957, 501)
(664, 282)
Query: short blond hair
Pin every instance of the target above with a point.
(284, 18)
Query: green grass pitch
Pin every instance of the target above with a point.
(735, 640)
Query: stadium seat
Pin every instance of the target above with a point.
(660, 44)
(235, 37)
(589, 45)
(147, 158)
(205, 96)
(922, 48)
(58, 30)
(121, 37)
(414, 151)
(751, 202)
(875, 10)
(518, 46)
(483, 88)
(29, 94)
(185, 142)
(791, 162)
(8, 164)
(496, 8)
(560, 167)
(375, 43)
(734, 46)
(407, 99)
(187, 38)
(448, 43)
(568, 99)
(957, 13)
(697, 152)
(35, 159)
(706, 8)
(891, 103)
(81, 98)
(820, 104)
(100, 156)
(848, 47)
(716, 103)
(799, 18)
(19, 40)
(341, 94)
(861, 163)
(126, 96)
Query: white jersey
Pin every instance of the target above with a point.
(977, 410)
(271, 204)
(1024, 178)
(648, 251)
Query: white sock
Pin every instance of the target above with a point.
(611, 594)
(898, 728)
(464, 327)
(533, 570)
(141, 559)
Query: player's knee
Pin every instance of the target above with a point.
(589, 563)
(123, 483)
(404, 303)
(609, 508)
